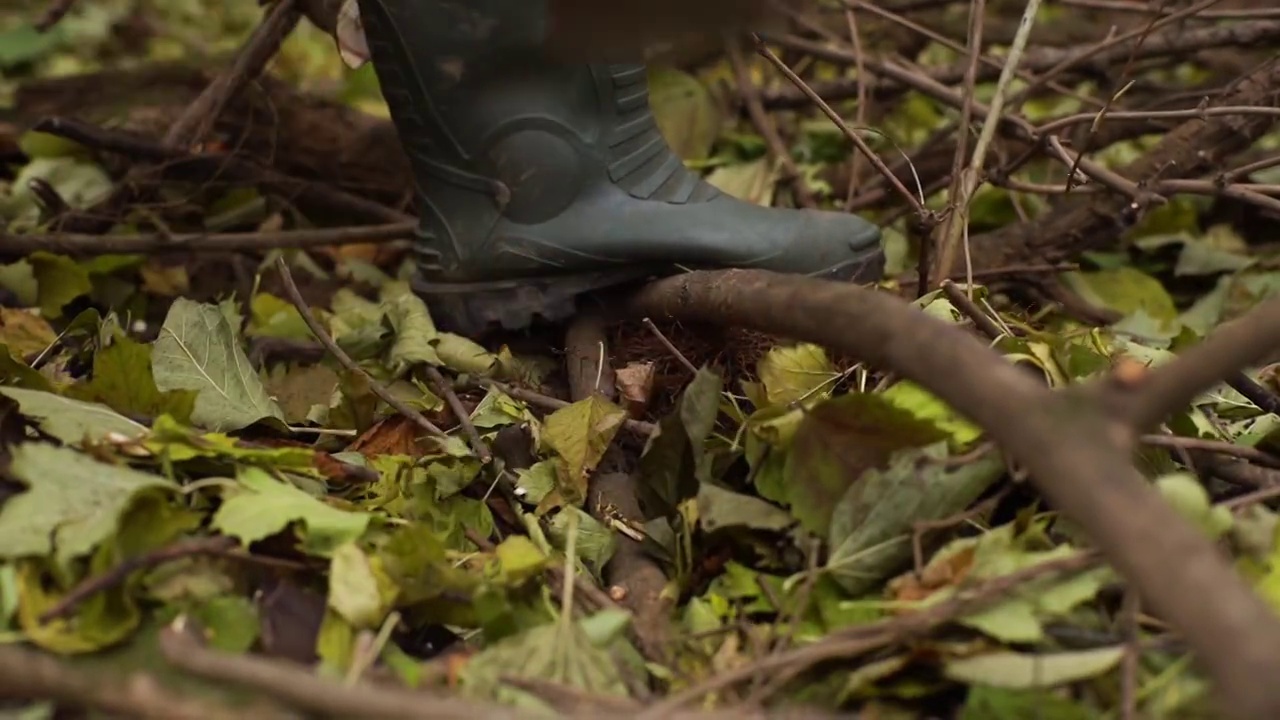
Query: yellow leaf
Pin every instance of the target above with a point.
(580, 434)
(795, 372)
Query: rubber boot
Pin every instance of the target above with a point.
(540, 181)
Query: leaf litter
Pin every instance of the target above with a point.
(791, 498)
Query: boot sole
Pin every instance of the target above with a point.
(474, 309)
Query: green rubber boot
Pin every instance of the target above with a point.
(540, 181)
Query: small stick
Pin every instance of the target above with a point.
(1256, 393)
(546, 402)
(220, 545)
(87, 245)
(967, 306)
(1243, 452)
(443, 387)
(308, 317)
(670, 346)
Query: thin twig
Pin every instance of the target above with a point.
(966, 305)
(1255, 392)
(916, 205)
(118, 574)
(262, 45)
(1219, 447)
(442, 386)
(82, 245)
(670, 346)
(955, 229)
(308, 317)
(766, 127)
(546, 402)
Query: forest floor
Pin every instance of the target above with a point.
(1034, 472)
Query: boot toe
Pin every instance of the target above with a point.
(834, 245)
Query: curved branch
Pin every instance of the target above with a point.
(1079, 458)
(1235, 345)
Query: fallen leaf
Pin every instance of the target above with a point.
(873, 524)
(59, 280)
(415, 333)
(394, 435)
(635, 385)
(164, 280)
(198, 350)
(1008, 669)
(124, 381)
(263, 506)
(795, 372)
(463, 355)
(359, 590)
(752, 182)
(984, 702)
(837, 442)
(71, 504)
(595, 543)
(720, 508)
(671, 457)
(684, 111)
(580, 434)
(72, 421)
(24, 332)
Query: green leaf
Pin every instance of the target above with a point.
(198, 350)
(560, 653)
(264, 506)
(685, 112)
(270, 316)
(36, 144)
(595, 544)
(580, 434)
(991, 703)
(519, 560)
(72, 421)
(415, 333)
(792, 373)
(79, 182)
(72, 502)
(872, 525)
(230, 623)
(23, 44)
(1021, 671)
(359, 590)
(464, 356)
(1018, 619)
(924, 405)
(671, 456)
(59, 280)
(123, 380)
(1185, 493)
(752, 182)
(533, 483)
(837, 442)
(176, 444)
(1125, 290)
(720, 508)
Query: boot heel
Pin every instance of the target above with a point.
(473, 309)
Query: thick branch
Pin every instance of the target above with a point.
(1239, 343)
(1077, 458)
